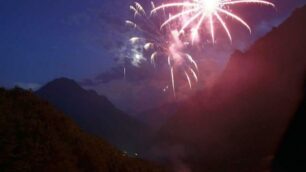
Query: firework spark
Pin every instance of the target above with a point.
(164, 43)
(195, 13)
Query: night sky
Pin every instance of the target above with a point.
(43, 40)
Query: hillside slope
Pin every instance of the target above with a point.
(36, 137)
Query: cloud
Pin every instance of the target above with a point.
(146, 87)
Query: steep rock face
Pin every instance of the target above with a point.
(95, 114)
(36, 137)
(291, 152)
(237, 123)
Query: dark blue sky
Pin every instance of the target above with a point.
(44, 39)
(41, 40)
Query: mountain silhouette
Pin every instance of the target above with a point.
(95, 114)
(37, 137)
(156, 117)
(291, 153)
(237, 124)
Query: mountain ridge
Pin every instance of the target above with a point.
(94, 113)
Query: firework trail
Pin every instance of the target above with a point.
(195, 13)
(164, 43)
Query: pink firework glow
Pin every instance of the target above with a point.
(165, 43)
(194, 13)
(165, 33)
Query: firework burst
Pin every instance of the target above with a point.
(194, 13)
(165, 43)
